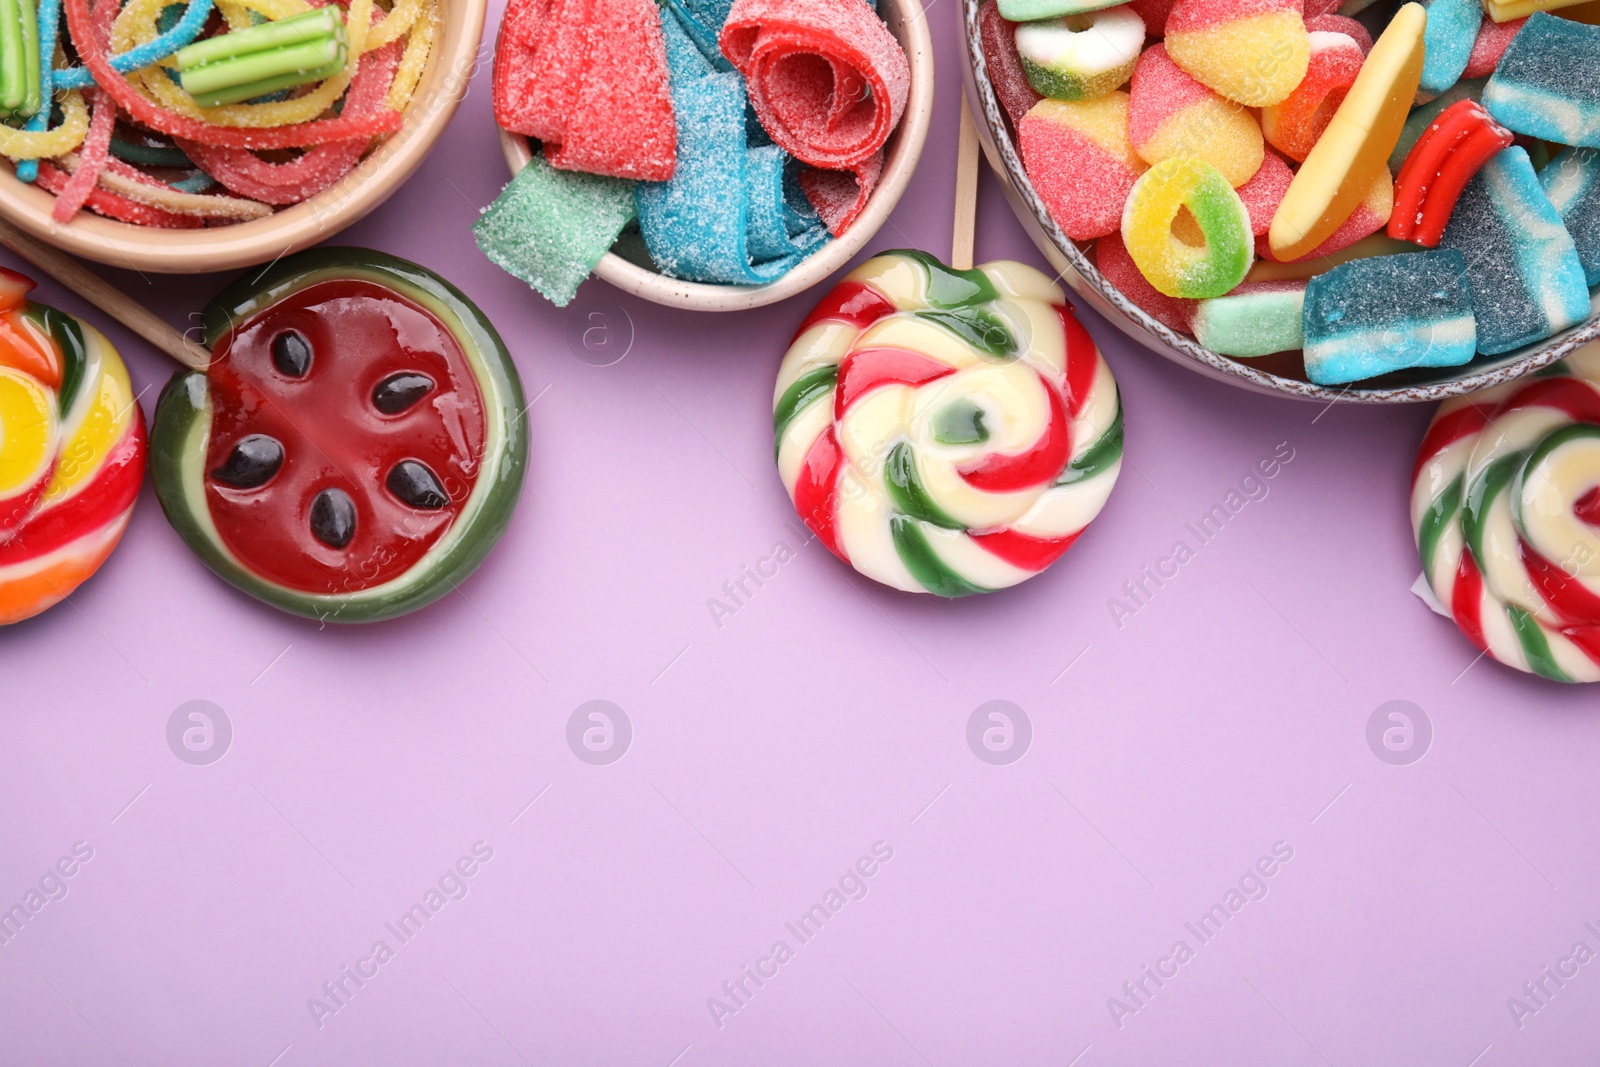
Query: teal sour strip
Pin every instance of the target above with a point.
(1535, 645)
(906, 490)
(1101, 455)
(49, 20)
(924, 563)
(1435, 521)
(152, 51)
(149, 155)
(799, 396)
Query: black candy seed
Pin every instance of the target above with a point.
(253, 462)
(333, 518)
(291, 354)
(399, 391)
(416, 485)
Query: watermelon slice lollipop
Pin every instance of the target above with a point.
(357, 445)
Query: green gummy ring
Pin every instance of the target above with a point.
(180, 439)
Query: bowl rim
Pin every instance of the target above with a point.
(379, 174)
(905, 151)
(1086, 280)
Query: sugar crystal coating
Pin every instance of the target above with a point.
(1294, 125)
(1493, 40)
(1451, 34)
(1170, 114)
(1256, 319)
(1079, 57)
(1548, 82)
(1173, 265)
(1010, 81)
(1251, 51)
(1572, 182)
(1111, 256)
(1375, 316)
(1527, 281)
(1081, 162)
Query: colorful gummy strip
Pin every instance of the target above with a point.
(1453, 148)
(187, 28)
(278, 55)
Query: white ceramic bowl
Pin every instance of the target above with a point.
(1068, 257)
(147, 248)
(628, 267)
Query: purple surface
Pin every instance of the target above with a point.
(769, 753)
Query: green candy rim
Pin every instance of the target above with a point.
(183, 417)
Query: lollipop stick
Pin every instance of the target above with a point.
(966, 190)
(97, 291)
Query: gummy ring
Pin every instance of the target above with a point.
(356, 446)
(1080, 57)
(1172, 265)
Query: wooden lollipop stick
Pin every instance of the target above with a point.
(97, 291)
(966, 190)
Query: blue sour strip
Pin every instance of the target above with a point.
(152, 51)
(49, 26)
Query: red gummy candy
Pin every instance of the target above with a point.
(1112, 257)
(1453, 148)
(1263, 193)
(1010, 81)
(1341, 24)
(827, 79)
(92, 156)
(1154, 13)
(589, 79)
(839, 196)
(113, 206)
(1493, 40)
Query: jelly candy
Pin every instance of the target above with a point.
(1171, 264)
(1081, 162)
(1527, 281)
(1373, 316)
(1254, 320)
(1449, 153)
(1251, 51)
(1111, 256)
(1493, 40)
(1079, 57)
(1451, 34)
(1171, 114)
(1010, 81)
(1548, 82)
(1572, 182)
(1294, 125)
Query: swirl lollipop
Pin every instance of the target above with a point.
(1505, 502)
(946, 431)
(72, 451)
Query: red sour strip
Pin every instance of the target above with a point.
(862, 372)
(115, 206)
(839, 196)
(243, 172)
(91, 160)
(319, 131)
(1020, 550)
(1453, 148)
(816, 491)
(854, 302)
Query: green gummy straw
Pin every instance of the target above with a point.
(251, 90)
(213, 78)
(13, 64)
(31, 101)
(296, 30)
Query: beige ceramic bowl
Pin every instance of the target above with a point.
(628, 267)
(1278, 375)
(119, 244)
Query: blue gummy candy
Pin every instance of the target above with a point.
(1548, 82)
(183, 32)
(1448, 39)
(1527, 281)
(1374, 316)
(728, 214)
(49, 25)
(1572, 182)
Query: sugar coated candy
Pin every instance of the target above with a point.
(1422, 117)
(1082, 163)
(550, 227)
(1451, 35)
(1340, 24)
(1493, 40)
(1293, 125)
(1548, 82)
(1572, 182)
(1170, 114)
(1506, 10)
(1079, 57)
(1032, 10)
(1010, 81)
(1374, 316)
(72, 451)
(1452, 149)
(1263, 193)
(356, 446)
(1173, 265)
(1111, 256)
(1506, 513)
(1252, 51)
(1368, 218)
(1256, 319)
(1527, 281)
(1339, 171)
(588, 78)
(946, 431)
(1154, 13)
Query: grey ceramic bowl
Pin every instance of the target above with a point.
(1068, 257)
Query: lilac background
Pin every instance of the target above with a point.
(771, 752)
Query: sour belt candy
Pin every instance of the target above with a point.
(1505, 505)
(73, 452)
(1527, 281)
(1449, 153)
(1373, 316)
(946, 431)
